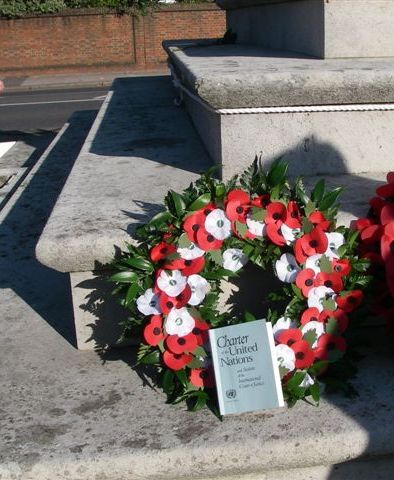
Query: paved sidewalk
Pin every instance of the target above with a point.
(72, 80)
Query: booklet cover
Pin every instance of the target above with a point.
(246, 370)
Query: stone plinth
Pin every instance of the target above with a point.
(334, 29)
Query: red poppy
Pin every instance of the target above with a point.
(179, 345)
(341, 267)
(319, 220)
(305, 280)
(386, 191)
(338, 315)
(275, 235)
(330, 342)
(200, 330)
(377, 204)
(206, 241)
(293, 216)
(261, 201)
(176, 361)
(153, 331)
(329, 280)
(193, 223)
(276, 213)
(310, 315)
(237, 205)
(348, 301)
(362, 223)
(389, 230)
(167, 303)
(320, 355)
(387, 246)
(290, 336)
(299, 253)
(304, 356)
(371, 234)
(202, 377)
(387, 214)
(161, 251)
(314, 242)
(187, 267)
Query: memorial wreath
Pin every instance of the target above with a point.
(171, 280)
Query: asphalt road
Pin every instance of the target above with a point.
(45, 110)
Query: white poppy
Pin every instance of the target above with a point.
(148, 303)
(199, 287)
(318, 327)
(317, 295)
(217, 224)
(171, 282)
(289, 234)
(285, 357)
(307, 382)
(335, 240)
(287, 268)
(191, 252)
(313, 262)
(283, 323)
(179, 322)
(234, 259)
(255, 227)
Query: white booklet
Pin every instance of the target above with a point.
(246, 369)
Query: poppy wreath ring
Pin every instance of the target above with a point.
(171, 280)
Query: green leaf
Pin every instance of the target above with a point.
(258, 214)
(200, 202)
(168, 381)
(295, 380)
(241, 228)
(325, 264)
(332, 326)
(141, 264)
(132, 292)
(178, 202)
(216, 257)
(318, 191)
(310, 207)
(196, 363)
(328, 304)
(249, 317)
(315, 392)
(201, 400)
(310, 336)
(160, 218)
(297, 291)
(182, 377)
(329, 199)
(200, 352)
(124, 277)
(220, 190)
(307, 225)
(151, 358)
(183, 241)
(277, 173)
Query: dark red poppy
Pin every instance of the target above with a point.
(176, 361)
(261, 201)
(348, 301)
(305, 280)
(187, 267)
(319, 220)
(341, 266)
(390, 177)
(289, 336)
(275, 235)
(161, 251)
(314, 242)
(362, 223)
(202, 377)
(377, 204)
(237, 205)
(329, 280)
(304, 356)
(330, 342)
(338, 315)
(153, 331)
(310, 315)
(293, 215)
(206, 241)
(371, 234)
(387, 214)
(276, 213)
(167, 303)
(179, 345)
(386, 191)
(387, 247)
(200, 330)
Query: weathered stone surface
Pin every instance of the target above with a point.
(139, 147)
(239, 76)
(334, 29)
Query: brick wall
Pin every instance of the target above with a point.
(92, 41)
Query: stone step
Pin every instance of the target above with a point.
(322, 116)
